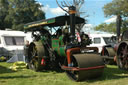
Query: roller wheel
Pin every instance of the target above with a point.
(106, 61)
(109, 52)
(122, 56)
(35, 56)
(85, 61)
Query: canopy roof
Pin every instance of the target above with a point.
(53, 22)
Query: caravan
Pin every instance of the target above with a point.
(12, 42)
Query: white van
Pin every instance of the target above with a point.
(99, 40)
(11, 42)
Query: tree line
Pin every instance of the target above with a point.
(15, 13)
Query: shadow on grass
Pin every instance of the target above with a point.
(111, 73)
(5, 70)
(57, 70)
(12, 77)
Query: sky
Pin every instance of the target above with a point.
(92, 8)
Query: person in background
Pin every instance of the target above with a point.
(26, 46)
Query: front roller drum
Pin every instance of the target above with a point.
(85, 66)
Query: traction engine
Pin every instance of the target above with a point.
(64, 49)
(118, 51)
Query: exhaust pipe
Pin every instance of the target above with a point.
(72, 11)
(118, 26)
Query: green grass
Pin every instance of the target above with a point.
(111, 76)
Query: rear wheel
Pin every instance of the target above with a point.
(35, 57)
(122, 56)
(109, 53)
(106, 61)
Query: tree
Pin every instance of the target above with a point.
(21, 12)
(78, 4)
(67, 3)
(116, 7)
(3, 14)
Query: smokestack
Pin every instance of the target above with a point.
(72, 11)
(118, 26)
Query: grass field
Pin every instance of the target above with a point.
(111, 76)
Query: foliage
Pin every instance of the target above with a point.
(2, 58)
(124, 25)
(3, 13)
(111, 27)
(106, 27)
(116, 7)
(19, 12)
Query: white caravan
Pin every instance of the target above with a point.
(99, 40)
(12, 42)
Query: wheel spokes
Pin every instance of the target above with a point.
(33, 52)
(124, 57)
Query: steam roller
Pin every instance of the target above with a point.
(117, 49)
(78, 66)
(66, 49)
